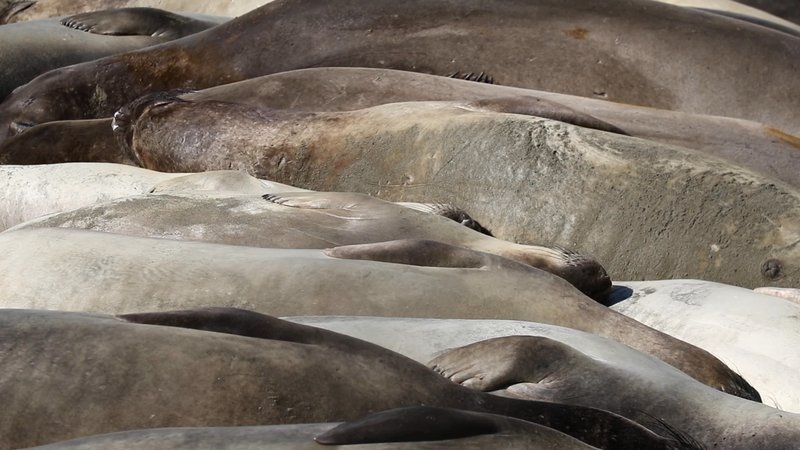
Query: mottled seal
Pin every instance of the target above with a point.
(314, 220)
(569, 366)
(754, 333)
(401, 428)
(229, 367)
(606, 48)
(32, 48)
(531, 180)
(350, 88)
(116, 274)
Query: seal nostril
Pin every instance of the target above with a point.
(772, 269)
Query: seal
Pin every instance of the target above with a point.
(34, 191)
(64, 142)
(32, 48)
(104, 272)
(428, 37)
(531, 180)
(551, 363)
(400, 428)
(348, 88)
(752, 332)
(230, 367)
(316, 220)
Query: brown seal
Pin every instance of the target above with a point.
(606, 48)
(230, 367)
(32, 48)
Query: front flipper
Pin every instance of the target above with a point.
(539, 107)
(481, 77)
(422, 252)
(137, 22)
(449, 211)
(322, 200)
(501, 362)
(246, 323)
(412, 424)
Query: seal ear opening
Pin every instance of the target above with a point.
(411, 424)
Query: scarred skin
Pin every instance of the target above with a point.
(607, 49)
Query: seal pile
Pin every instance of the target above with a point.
(306, 223)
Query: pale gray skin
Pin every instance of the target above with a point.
(32, 48)
(755, 334)
(481, 430)
(546, 362)
(69, 374)
(311, 220)
(28, 192)
(761, 148)
(603, 50)
(96, 271)
(647, 210)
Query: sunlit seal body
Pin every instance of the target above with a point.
(754, 333)
(115, 274)
(606, 48)
(32, 48)
(313, 220)
(28, 192)
(223, 367)
(558, 364)
(531, 180)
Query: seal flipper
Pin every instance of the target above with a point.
(411, 424)
(449, 211)
(500, 362)
(322, 200)
(422, 252)
(481, 77)
(246, 323)
(539, 107)
(137, 21)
